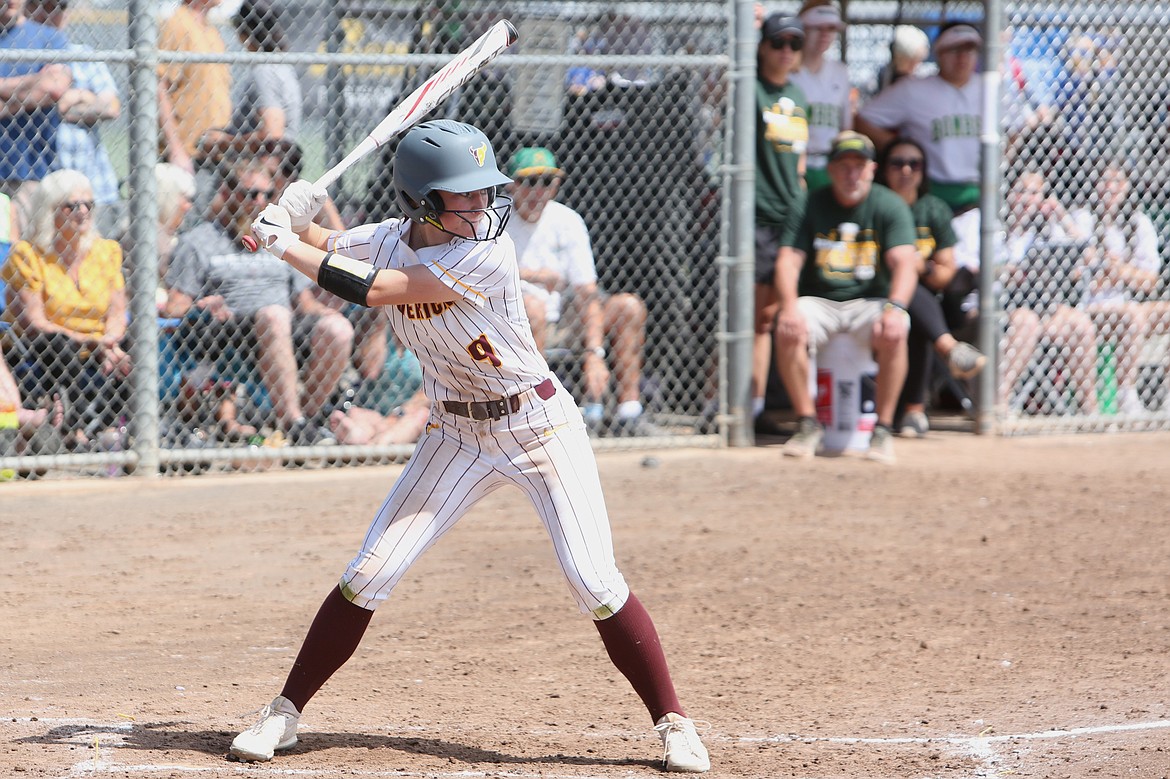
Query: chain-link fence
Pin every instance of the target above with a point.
(1085, 343)
(139, 334)
(256, 366)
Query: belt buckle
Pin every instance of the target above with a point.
(488, 409)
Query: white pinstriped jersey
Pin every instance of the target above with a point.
(476, 348)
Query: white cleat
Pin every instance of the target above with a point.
(277, 729)
(682, 749)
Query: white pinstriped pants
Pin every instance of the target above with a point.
(544, 450)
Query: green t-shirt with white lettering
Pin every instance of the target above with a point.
(932, 223)
(781, 137)
(845, 248)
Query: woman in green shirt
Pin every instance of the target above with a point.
(902, 168)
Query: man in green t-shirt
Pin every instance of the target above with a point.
(851, 266)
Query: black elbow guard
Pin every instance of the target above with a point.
(347, 278)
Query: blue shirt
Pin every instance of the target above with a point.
(80, 147)
(28, 140)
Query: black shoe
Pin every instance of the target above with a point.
(765, 425)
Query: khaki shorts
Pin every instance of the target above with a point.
(828, 317)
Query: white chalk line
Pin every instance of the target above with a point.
(960, 740)
(980, 748)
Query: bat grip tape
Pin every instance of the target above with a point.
(347, 278)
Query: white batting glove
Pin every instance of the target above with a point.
(302, 199)
(272, 230)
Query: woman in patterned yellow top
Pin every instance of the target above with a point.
(67, 304)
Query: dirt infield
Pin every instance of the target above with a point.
(987, 608)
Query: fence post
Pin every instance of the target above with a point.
(741, 297)
(143, 281)
(989, 203)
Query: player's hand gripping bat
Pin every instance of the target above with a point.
(423, 100)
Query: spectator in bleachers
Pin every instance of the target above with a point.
(781, 143)
(29, 119)
(1123, 270)
(825, 84)
(1090, 114)
(1043, 255)
(67, 307)
(908, 52)
(193, 97)
(564, 305)
(91, 100)
(175, 190)
(28, 421)
(944, 113)
(266, 102)
(359, 425)
(850, 266)
(902, 167)
(258, 307)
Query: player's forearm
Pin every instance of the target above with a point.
(317, 236)
(304, 258)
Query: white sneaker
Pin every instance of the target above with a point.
(277, 729)
(682, 749)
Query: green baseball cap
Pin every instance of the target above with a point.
(533, 161)
(849, 142)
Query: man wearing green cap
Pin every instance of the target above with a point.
(850, 267)
(564, 305)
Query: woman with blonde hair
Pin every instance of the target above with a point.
(67, 304)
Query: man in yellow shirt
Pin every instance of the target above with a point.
(193, 97)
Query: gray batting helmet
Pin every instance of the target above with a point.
(446, 156)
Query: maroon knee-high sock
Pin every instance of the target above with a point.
(334, 635)
(633, 646)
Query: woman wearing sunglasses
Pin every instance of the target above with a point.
(68, 307)
(781, 144)
(902, 168)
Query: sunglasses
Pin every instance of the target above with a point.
(796, 44)
(73, 205)
(913, 163)
(546, 180)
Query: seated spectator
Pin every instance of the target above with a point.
(1122, 273)
(28, 420)
(564, 305)
(851, 268)
(175, 189)
(266, 102)
(358, 425)
(944, 113)
(67, 307)
(902, 167)
(1043, 255)
(29, 92)
(257, 306)
(90, 101)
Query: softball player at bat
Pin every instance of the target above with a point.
(447, 278)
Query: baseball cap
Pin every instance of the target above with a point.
(821, 14)
(533, 161)
(849, 142)
(778, 24)
(957, 34)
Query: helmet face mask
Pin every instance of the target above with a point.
(445, 156)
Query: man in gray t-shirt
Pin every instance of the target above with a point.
(233, 299)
